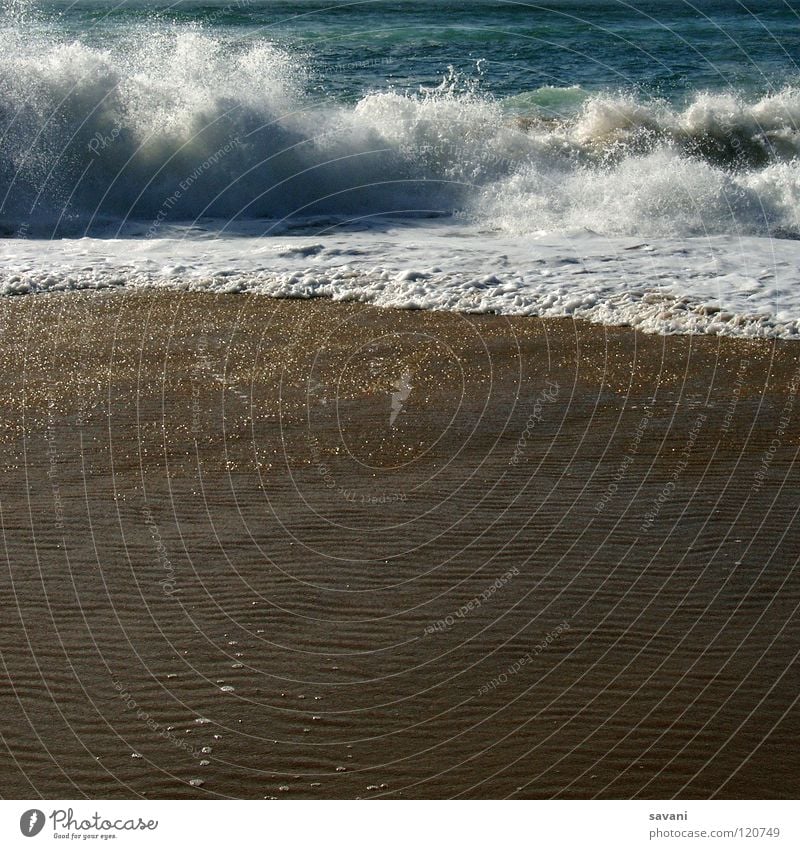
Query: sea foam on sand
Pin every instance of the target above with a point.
(748, 286)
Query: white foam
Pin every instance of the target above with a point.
(748, 286)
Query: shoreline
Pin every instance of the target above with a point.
(287, 498)
(739, 287)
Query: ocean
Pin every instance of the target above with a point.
(621, 162)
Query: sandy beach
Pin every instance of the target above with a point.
(302, 549)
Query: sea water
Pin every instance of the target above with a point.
(624, 162)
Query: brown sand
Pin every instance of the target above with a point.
(207, 491)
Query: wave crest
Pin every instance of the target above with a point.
(183, 125)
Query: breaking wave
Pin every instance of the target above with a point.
(183, 125)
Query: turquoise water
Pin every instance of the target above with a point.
(668, 48)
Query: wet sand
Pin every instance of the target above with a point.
(434, 555)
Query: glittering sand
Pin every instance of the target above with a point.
(260, 548)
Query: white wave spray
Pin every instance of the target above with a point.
(182, 124)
